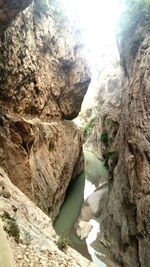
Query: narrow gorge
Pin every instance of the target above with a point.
(74, 137)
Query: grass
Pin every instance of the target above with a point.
(108, 154)
(88, 127)
(88, 112)
(63, 243)
(11, 226)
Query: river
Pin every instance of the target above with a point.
(95, 173)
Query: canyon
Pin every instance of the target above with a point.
(44, 76)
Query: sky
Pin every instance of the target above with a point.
(97, 19)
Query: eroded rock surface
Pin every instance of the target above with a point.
(9, 9)
(41, 158)
(43, 79)
(36, 245)
(107, 107)
(126, 221)
(43, 72)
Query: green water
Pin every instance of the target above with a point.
(96, 173)
(64, 225)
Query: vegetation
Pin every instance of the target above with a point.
(88, 112)
(104, 138)
(62, 243)
(88, 127)
(108, 154)
(137, 12)
(11, 226)
(135, 16)
(113, 155)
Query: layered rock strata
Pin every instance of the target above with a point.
(44, 77)
(125, 224)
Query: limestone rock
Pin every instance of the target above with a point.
(83, 229)
(107, 110)
(9, 9)
(44, 72)
(44, 77)
(41, 158)
(91, 209)
(126, 221)
(38, 242)
(6, 258)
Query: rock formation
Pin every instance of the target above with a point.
(125, 223)
(30, 233)
(43, 80)
(107, 105)
(9, 9)
(6, 258)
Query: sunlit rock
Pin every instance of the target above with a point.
(83, 229)
(44, 77)
(37, 243)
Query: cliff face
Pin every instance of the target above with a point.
(33, 242)
(9, 9)
(42, 71)
(125, 223)
(41, 158)
(43, 80)
(108, 107)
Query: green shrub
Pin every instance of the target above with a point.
(88, 127)
(62, 243)
(11, 226)
(104, 138)
(14, 229)
(88, 112)
(113, 155)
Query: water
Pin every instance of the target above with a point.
(95, 174)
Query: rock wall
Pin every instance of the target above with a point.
(41, 158)
(42, 69)
(107, 108)
(35, 243)
(125, 223)
(43, 79)
(9, 9)
(6, 258)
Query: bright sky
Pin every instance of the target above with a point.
(98, 19)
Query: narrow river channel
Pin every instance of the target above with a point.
(95, 174)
